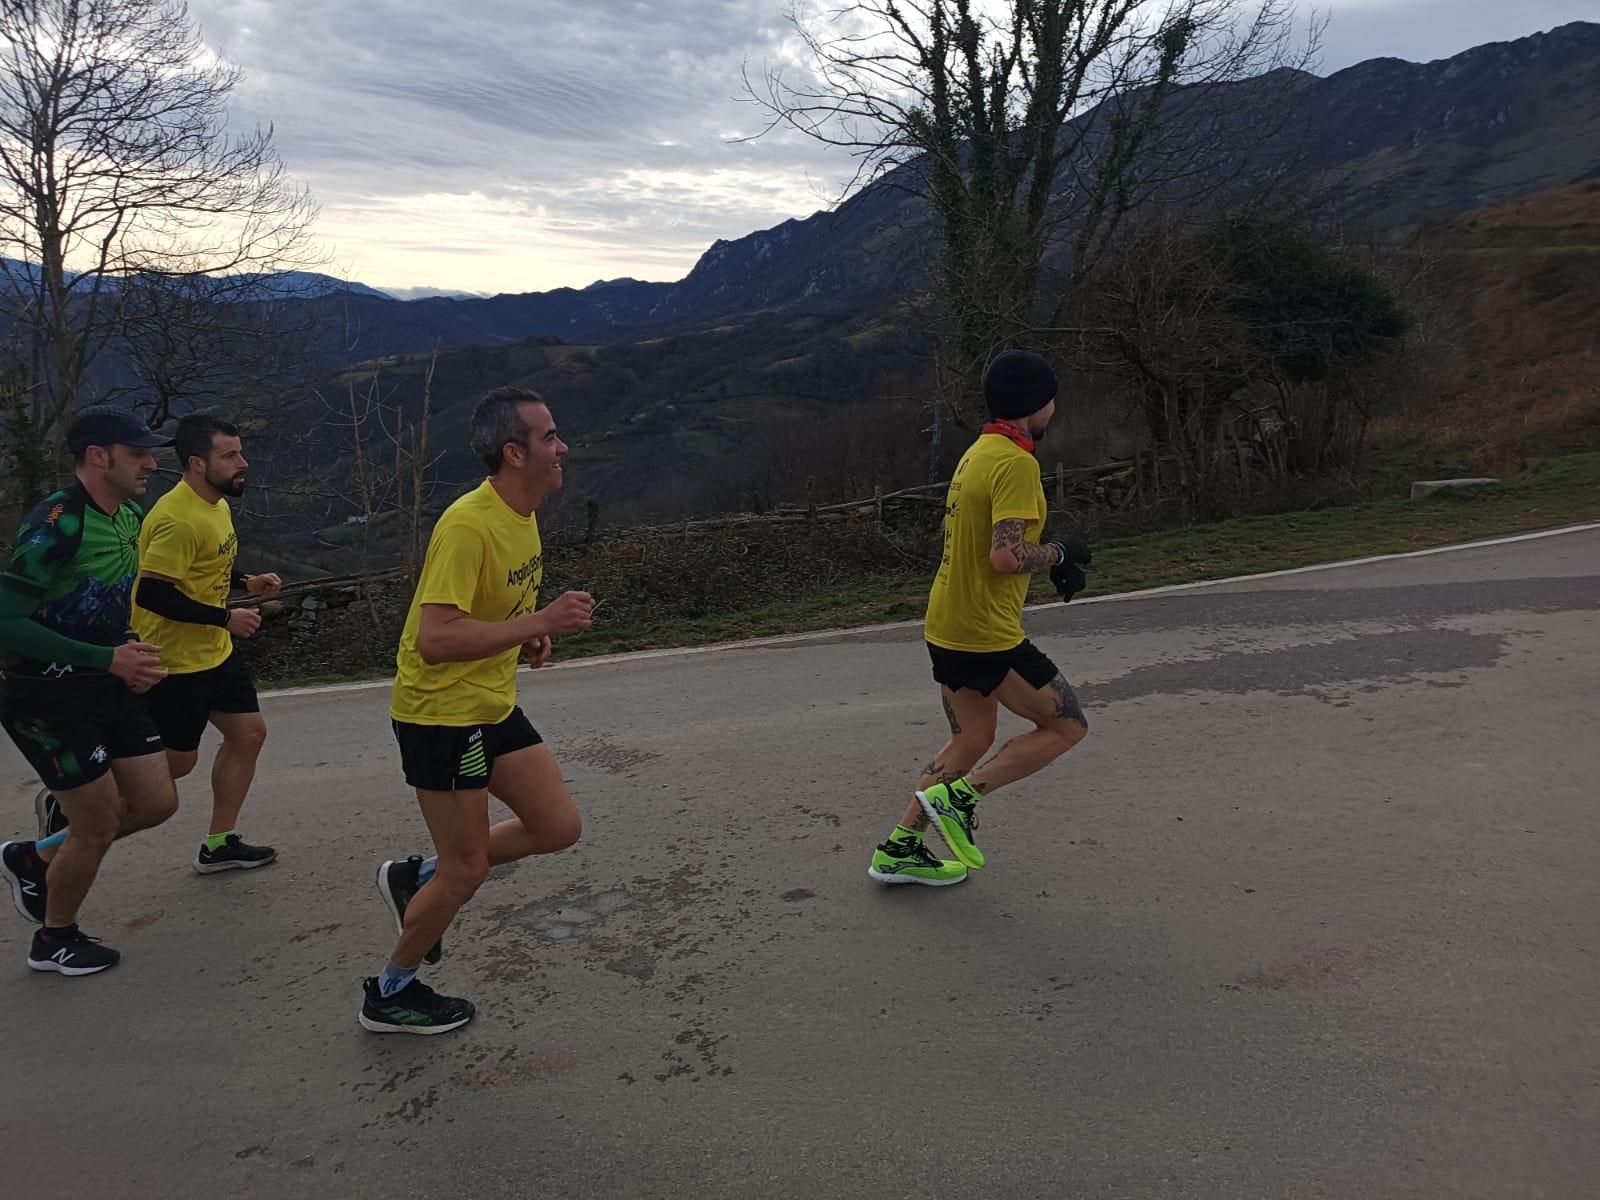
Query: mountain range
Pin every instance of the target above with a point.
(1395, 144)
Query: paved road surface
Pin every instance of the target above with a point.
(1311, 913)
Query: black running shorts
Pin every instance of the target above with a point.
(181, 704)
(983, 672)
(459, 758)
(70, 731)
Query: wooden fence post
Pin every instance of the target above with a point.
(591, 510)
(877, 501)
(1061, 485)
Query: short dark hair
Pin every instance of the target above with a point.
(195, 435)
(496, 420)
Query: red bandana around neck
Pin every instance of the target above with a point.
(1010, 429)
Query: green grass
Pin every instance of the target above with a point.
(1563, 492)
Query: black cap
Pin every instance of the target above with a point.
(107, 425)
(1017, 384)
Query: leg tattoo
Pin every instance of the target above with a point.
(950, 714)
(1067, 705)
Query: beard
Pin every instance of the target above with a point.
(232, 485)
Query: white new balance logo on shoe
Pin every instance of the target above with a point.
(62, 956)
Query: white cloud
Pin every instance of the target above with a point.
(491, 145)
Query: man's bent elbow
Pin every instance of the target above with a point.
(1004, 561)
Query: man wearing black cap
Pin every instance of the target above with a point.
(74, 675)
(994, 514)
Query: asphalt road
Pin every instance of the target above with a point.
(1311, 913)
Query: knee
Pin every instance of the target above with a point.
(460, 878)
(182, 762)
(99, 826)
(247, 742)
(561, 834)
(1067, 732)
(153, 809)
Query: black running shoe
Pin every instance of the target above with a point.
(233, 855)
(415, 1008)
(397, 883)
(48, 813)
(74, 953)
(24, 871)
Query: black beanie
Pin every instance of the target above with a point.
(1017, 384)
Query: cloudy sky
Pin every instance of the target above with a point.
(518, 145)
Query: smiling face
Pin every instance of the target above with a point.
(536, 457)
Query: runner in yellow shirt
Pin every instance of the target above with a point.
(994, 513)
(187, 548)
(462, 736)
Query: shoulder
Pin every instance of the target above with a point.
(60, 514)
(465, 507)
(163, 512)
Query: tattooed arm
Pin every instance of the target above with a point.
(1010, 553)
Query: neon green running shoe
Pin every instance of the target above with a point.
(904, 859)
(950, 806)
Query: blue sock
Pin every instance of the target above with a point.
(55, 839)
(426, 870)
(394, 978)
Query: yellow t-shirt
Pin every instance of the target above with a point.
(973, 606)
(486, 560)
(189, 539)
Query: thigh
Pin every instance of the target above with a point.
(179, 705)
(145, 783)
(970, 713)
(528, 782)
(63, 737)
(458, 822)
(240, 727)
(99, 801)
(1043, 704)
(131, 730)
(233, 689)
(444, 758)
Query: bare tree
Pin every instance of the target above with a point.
(1246, 342)
(115, 159)
(185, 341)
(395, 469)
(1032, 128)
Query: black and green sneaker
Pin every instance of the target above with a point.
(397, 883)
(904, 859)
(415, 1008)
(235, 854)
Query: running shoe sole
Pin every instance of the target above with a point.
(874, 873)
(372, 1026)
(212, 868)
(938, 826)
(388, 902)
(16, 889)
(51, 965)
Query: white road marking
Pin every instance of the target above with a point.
(821, 635)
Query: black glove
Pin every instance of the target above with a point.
(1073, 549)
(1068, 579)
(1067, 575)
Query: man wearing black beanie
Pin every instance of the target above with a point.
(994, 514)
